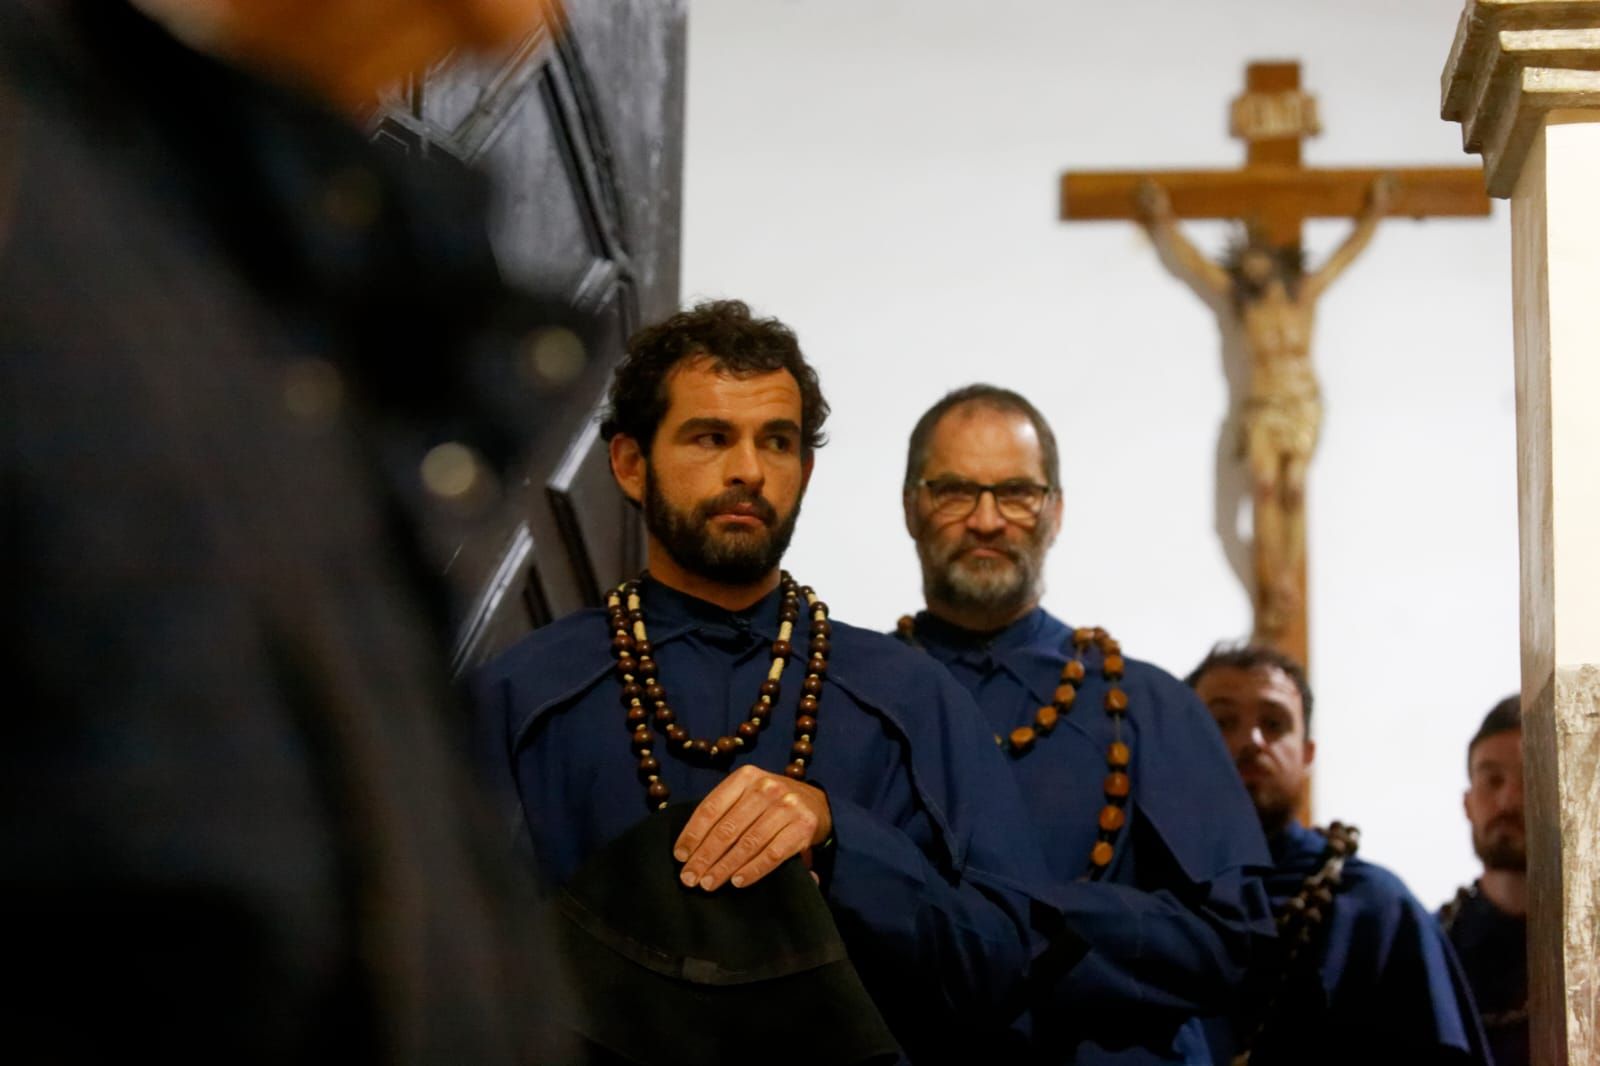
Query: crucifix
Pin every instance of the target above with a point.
(1264, 296)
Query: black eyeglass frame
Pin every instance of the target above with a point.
(1025, 514)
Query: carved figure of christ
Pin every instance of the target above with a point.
(1264, 293)
(1266, 301)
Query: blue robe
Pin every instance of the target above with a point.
(1173, 924)
(933, 891)
(1381, 984)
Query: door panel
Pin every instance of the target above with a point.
(582, 132)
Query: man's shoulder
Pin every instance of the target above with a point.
(881, 665)
(552, 657)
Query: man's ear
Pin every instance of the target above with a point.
(1311, 751)
(806, 466)
(1057, 505)
(908, 503)
(628, 463)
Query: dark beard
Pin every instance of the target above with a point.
(1501, 853)
(735, 558)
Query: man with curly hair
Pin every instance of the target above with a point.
(716, 681)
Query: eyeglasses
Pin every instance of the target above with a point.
(1018, 500)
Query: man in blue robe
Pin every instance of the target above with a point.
(1149, 839)
(794, 735)
(1363, 972)
(1487, 922)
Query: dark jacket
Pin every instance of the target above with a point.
(234, 824)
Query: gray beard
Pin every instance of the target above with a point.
(987, 592)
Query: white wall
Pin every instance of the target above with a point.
(882, 175)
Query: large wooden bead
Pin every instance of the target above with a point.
(621, 643)
(1073, 671)
(821, 646)
(725, 746)
(632, 691)
(665, 715)
(658, 791)
(1101, 855)
(801, 749)
(1065, 694)
(796, 770)
(698, 747)
(1112, 818)
(1118, 755)
(809, 704)
(647, 666)
(781, 649)
(817, 665)
(627, 666)
(645, 648)
(1117, 784)
(653, 690)
(1022, 738)
(637, 716)
(642, 740)
(1116, 701)
(821, 629)
(760, 712)
(676, 733)
(749, 732)
(812, 686)
(771, 689)
(649, 766)
(1082, 637)
(1114, 667)
(1046, 717)
(805, 724)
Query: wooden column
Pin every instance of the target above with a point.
(1523, 80)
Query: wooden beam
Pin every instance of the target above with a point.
(1422, 192)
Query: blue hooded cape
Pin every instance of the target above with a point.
(941, 900)
(1180, 913)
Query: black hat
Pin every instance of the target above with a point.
(666, 974)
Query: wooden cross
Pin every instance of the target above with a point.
(1275, 195)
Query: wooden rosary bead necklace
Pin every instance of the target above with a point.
(1300, 917)
(1119, 756)
(645, 699)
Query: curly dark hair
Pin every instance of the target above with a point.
(1249, 657)
(735, 341)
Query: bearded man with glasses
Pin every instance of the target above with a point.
(1152, 841)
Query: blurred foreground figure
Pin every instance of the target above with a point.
(1362, 973)
(1488, 921)
(233, 822)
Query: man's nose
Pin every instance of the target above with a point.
(986, 516)
(1256, 739)
(742, 466)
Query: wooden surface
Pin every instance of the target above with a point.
(1555, 233)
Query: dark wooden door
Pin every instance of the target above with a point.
(582, 131)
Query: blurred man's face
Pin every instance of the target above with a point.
(1494, 802)
(1262, 721)
(347, 51)
(982, 553)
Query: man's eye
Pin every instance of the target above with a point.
(781, 443)
(712, 440)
